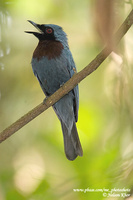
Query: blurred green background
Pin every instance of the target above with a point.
(33, 165)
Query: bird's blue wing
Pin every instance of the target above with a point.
(72, 68)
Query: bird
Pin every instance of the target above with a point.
(53, 65)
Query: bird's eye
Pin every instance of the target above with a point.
(49, 30)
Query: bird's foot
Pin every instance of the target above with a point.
(44, 101)
(62, 84)
(75, 72)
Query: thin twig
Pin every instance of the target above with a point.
(69, 85)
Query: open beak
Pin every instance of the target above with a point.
(37, 26)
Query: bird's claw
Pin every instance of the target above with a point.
(62, 84)
(44, 101)
(74, 70)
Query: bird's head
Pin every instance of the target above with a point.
(49, 32)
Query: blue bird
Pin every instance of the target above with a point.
(53, 65)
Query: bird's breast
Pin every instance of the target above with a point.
(48, 48)
(51, 73)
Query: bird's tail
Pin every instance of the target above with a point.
(72, 143)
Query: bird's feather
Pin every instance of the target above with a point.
(53, 65)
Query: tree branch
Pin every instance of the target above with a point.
(69, 85)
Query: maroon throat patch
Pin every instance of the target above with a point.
(48, 48)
